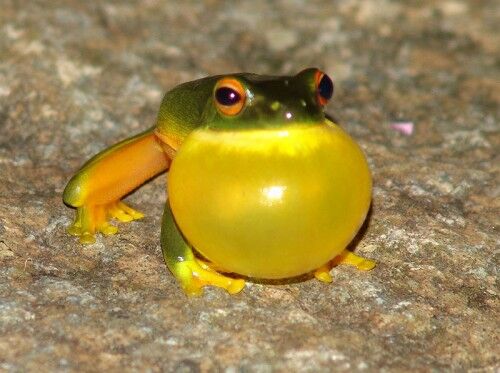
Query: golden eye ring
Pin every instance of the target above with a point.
(229, 96)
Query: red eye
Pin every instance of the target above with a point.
(229, 96)
(324, 87)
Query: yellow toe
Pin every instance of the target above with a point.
(87, 238)
(236, 286)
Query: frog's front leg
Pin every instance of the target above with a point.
(96, 189)
(345, 257)
(192, 273)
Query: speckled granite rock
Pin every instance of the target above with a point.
(77, 76)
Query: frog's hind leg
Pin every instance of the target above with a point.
(192, 273)
(346, 257)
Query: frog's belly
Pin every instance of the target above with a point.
(270, 203)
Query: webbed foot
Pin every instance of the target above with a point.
(194, 274)
(349, 258)
(95, 218)
(346, 257)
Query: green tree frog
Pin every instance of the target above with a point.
(261, 183)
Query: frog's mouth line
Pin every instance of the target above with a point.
(290, 139)
(296, 140)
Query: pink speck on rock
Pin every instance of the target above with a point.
(406, 128)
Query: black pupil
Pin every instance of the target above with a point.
(325, 87)
(227, 96)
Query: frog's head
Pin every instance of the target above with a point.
(249, 101)
(237, 103)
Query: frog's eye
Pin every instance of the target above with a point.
(324, 87)
(229, 96)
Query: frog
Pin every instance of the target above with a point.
(262, 184)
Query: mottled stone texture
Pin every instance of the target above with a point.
(76, 76)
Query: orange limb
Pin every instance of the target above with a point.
(99, 185)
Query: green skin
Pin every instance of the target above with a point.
(190, 105)
(271, 103)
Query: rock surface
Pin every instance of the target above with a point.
(78, 76)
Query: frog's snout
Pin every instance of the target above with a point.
(282, 110)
